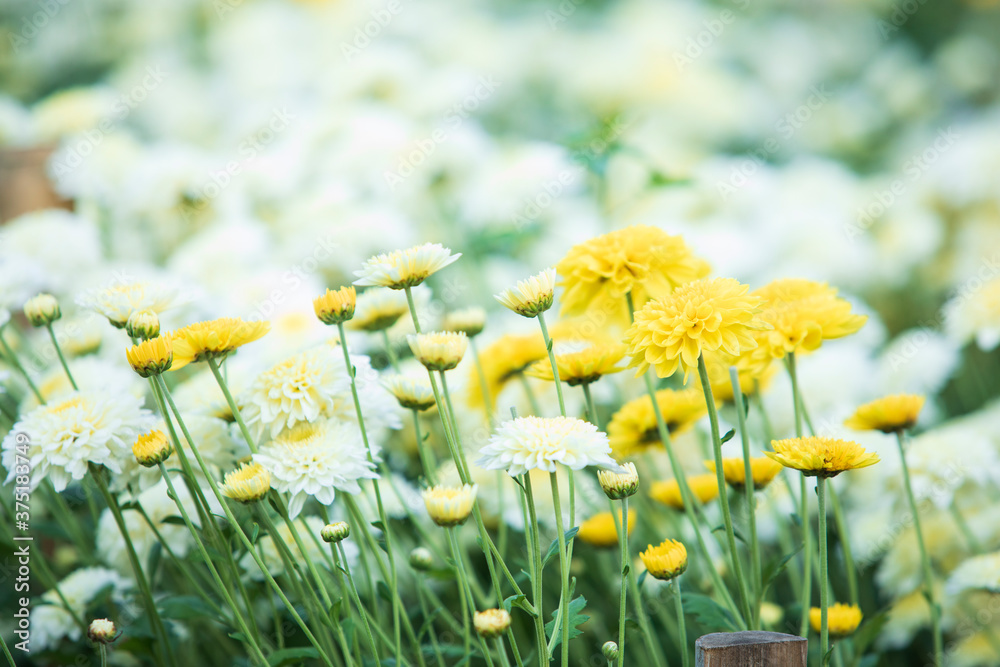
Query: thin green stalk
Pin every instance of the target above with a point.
(484, 386)
(974, 546)
(103, 650)
(147, 595)
(727, 517)
(389, 352)
(681, 627)
(386, 531)
(251, 443)
(806, 600)
(252, 637)
(424, 450)
(536, 573)
(6, 652)
(591, 408)
(12, 358)
(552, 362)
(563, 569)
(338, 550)
(845, 544)
(62, 359)
(824, 574)
(623, 541)
(529, 393)
(238, 529)
(751, 499)
(925, 561)
(655, 652)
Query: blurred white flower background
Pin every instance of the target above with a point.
(234, 158)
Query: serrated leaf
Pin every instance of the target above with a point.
(709, 614)
(576, 618)
(288, 656)
(728, 436)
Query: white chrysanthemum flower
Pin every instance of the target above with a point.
(51, 248)
(907, 616)
(317, 460)
(50, 622)
(377, 309)
(979, 572)
(84, 427)
(121, 300)
(531, 296)
(975, 314)
(526, 443)
(405, 268)
(272, 558)
(92, 374)
(159, 506)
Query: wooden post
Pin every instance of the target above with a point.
(750, 649)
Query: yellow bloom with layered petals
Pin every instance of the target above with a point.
(888, 414)
(641, 260)
(448, 505)
(439, 350)
(704, 487)
(762, 469)
(665, 561)
(705, 316)
(633, 427)
(249, 483)
(213, 339)
(336, 306)
(817, 456)
(151, 357)
(841, 619)
(400, 269)
(600, 530)
(530, 296)
(581, 367)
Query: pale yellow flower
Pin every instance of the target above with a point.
(888, 414)
(439, 351)
(450, 506)
(249, 483)
(532, 296)
(42, 310)
(151, 357)
(618, 485)
(470, 321)
(581, 367)
(335, 306)
(491, 623)
(405, 268)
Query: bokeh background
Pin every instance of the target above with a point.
(257, 151)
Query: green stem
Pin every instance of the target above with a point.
(591, 408)
(824, 595)
(103, 650)
(62, 359)
(251, 443)
(424, 450)
(751, 499)
(681, 627)
(536, 572)
(655, 652)
(563, 567)
(720, 475)
(925, 561)
(6, 652)
(353, 590)
(552, 362)
(9, 353)
(845, 544)
(250, 637)
(803, 507)
(484, 386)
(623, 540)
(389, 352)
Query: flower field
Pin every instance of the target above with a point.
(499, 334)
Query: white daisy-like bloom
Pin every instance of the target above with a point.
(159, 507)
(82, 428)
(50, 622)
(977, 573)
(272, 558)
(377, 309)
(405, 268)
(120, 300)
(907, 616)
(527, 443)
(531, 296)
(974, 313)
(317, 460)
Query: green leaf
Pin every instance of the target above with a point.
(153, 560)
(554, 546)
(255, 533)
(728, 436)
(736, 531)
(774, 568)
(383, 591)
(173, 520)
(868, 632)
(287, 656)
(183, 607)
(378, 524)
(576, 606)
(709, 614)
(642, 577)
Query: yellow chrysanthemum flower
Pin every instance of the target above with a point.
(151, 357)
(802, 314)
(762, 469)
(703, 316)
(643, 261)
(667, 560)
(440, 350)
(633, 427)
(531, 296)
(618, 485)
(249, 483)
(491, 623)
(581, 367)
(405, 268)
(819, 456)
(841, 619)
(600, 530)
(213, 339)
(336, 306)
(448, 505)
(704, 487)
(378, 309)
(888, 414)
(152, 448)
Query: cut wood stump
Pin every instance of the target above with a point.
(750, 649)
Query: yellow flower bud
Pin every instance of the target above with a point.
(42, 310)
